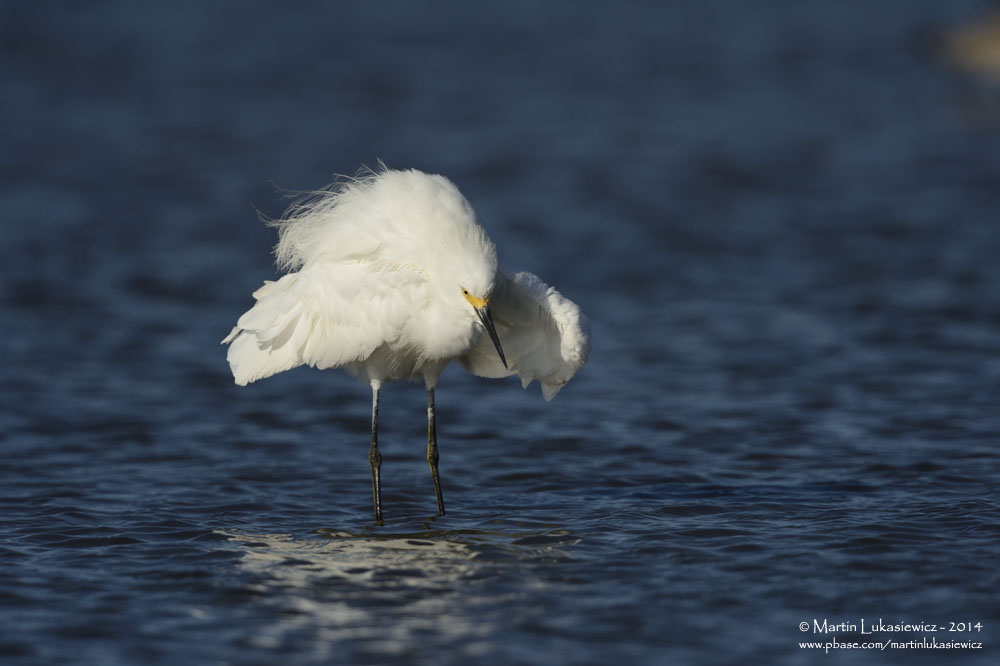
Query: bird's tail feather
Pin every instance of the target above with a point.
(268, 338)
(316, 317)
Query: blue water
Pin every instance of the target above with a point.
(780, 217)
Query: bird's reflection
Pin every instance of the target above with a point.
(383, 592)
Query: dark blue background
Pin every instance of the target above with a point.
(781, 218)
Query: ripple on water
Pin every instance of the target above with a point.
(350, 586)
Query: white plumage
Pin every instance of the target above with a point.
(544, 335)
(392, 278)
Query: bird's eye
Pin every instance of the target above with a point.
(465, 292)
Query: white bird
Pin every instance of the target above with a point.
(391, 277)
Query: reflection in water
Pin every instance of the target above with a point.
(372, 594)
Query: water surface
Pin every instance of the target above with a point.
(781, 220)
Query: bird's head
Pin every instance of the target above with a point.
(464, 264)
(481, 306)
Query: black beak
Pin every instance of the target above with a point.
(487, 320)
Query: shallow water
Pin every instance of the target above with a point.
(781, 221)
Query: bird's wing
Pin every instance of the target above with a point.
(543, 334)
(325, 315)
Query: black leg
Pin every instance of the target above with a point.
(432, 450)
(374, 457)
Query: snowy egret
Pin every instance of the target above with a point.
(391, 277)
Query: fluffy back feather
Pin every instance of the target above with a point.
(397, 216)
